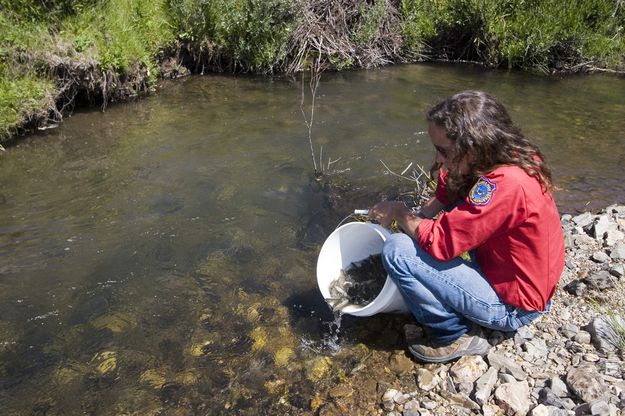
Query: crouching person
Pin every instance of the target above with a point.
(487, 250)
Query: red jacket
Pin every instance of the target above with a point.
(515, 229)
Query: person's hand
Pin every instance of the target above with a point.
(385, 212)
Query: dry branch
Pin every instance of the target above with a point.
(329, 27)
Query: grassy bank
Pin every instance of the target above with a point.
(57, 54)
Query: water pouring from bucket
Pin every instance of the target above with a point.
(355, 243)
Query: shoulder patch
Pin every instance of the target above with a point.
(482, 192)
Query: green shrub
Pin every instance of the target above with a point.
(247, 35)
(550, 33)
(419, 21)
(372, 16)
(519, 33)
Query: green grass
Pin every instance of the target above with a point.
(244, 35)
(121, 36)
(527, 34)
(120, 33)
(619, 332)
(20, 98)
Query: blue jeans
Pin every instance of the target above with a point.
(447, 297)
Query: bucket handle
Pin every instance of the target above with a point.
(356, 213)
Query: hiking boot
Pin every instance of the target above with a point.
(471, 343)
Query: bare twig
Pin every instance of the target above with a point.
(330, 161)
(317, 66)
(422, 181)
(407, 167)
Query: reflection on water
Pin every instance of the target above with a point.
(161, 255)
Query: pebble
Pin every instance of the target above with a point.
(601, 257)
(582, 337)
(618, 251)
(513, 397)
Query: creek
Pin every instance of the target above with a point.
(160, 256)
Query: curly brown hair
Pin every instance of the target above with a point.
(479, 126)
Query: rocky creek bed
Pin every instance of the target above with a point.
(569, 362)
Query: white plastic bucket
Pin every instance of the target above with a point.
(352, 242)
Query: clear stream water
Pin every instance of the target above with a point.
(159, 257)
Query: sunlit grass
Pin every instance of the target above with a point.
(22, 98)
(619, 332)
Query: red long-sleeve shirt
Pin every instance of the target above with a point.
(515, 229)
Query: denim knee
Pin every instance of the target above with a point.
(397, 247)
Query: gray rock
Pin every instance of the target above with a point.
(601, 280)
(586, 383)
(558, 387)
(583, 241)
(506, 378)
(536, 348)
(618, 270)
(468, 369)
(613, 236)
(576, 288)
(484, 385)
(411, 408)
(491, 410)
(568, 403)
(426, 380)
(619, 210)
(514, 397)
(540, 410)
(569, 330)
(401, 398)
(388, 401)
(547, 397)
(554, 411)
(381, 387)
(463, 400)
(600, 257)
(583, 220)
(506, 365)
(525, 332)
(429, 404)
(618, 251)
(604, 337)
(600, 227)
(582, 337)
(600, 408)
(613, 368)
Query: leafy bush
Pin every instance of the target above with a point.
(248, 35)
(371, 19)
(539, 34)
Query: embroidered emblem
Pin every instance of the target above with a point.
(482, 192)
